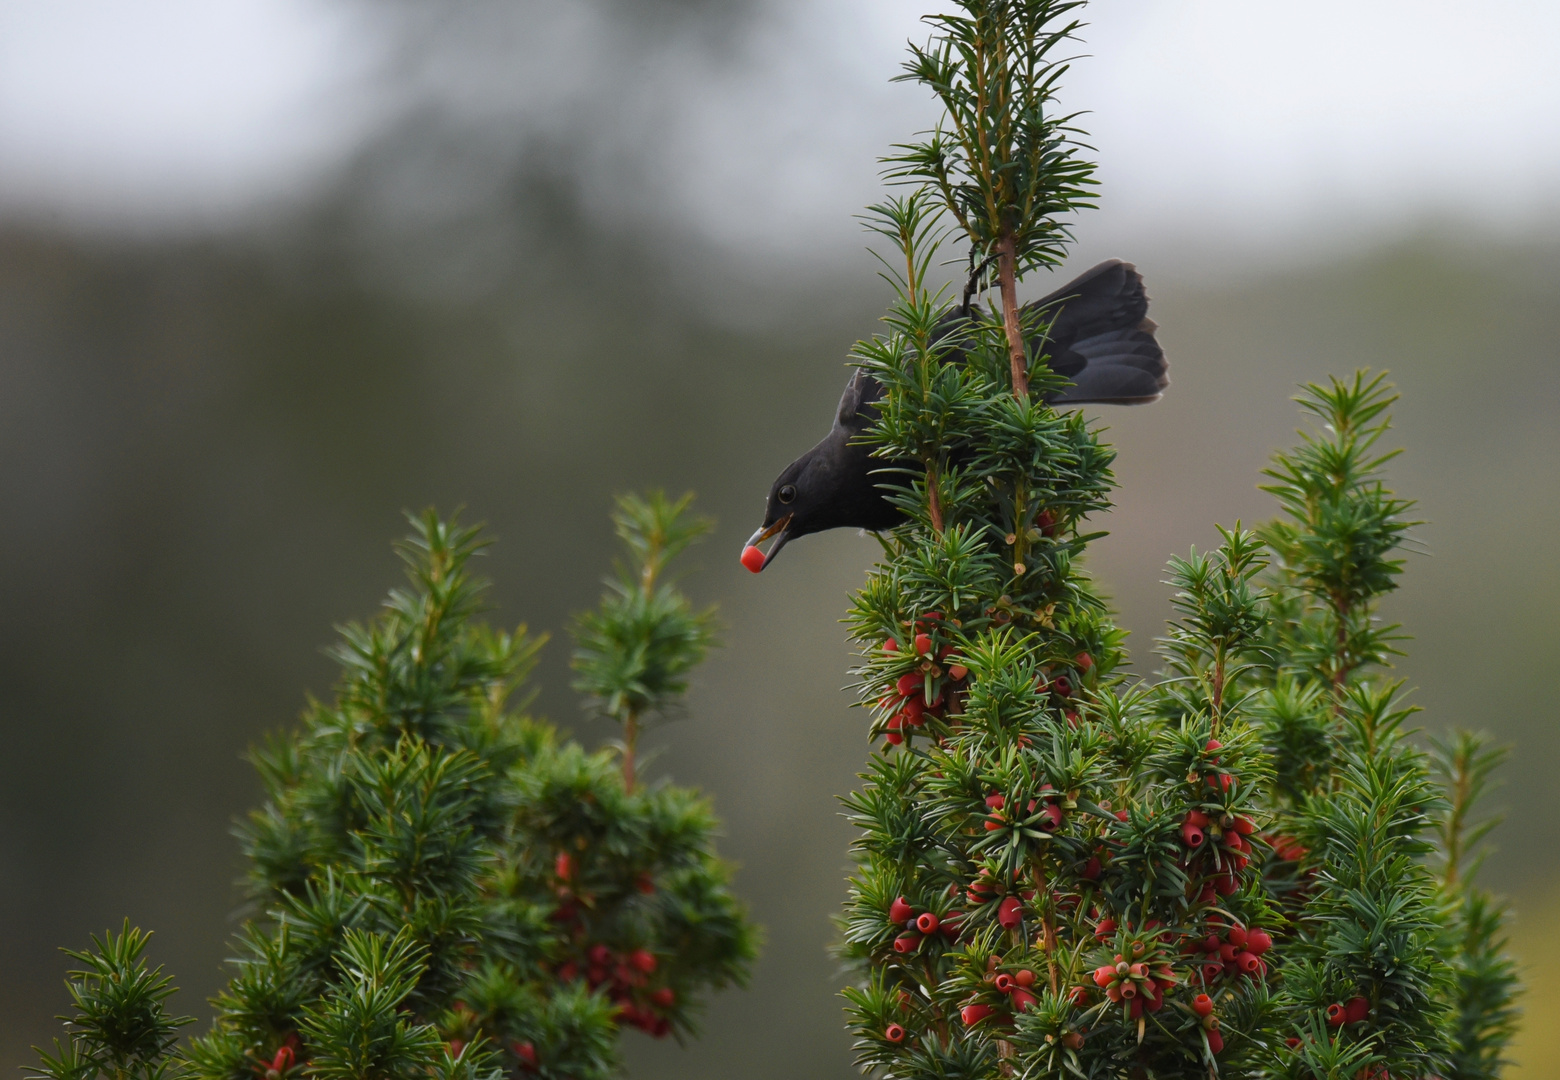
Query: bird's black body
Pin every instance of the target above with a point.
(1100, 339)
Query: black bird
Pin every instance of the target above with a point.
(1100, 338)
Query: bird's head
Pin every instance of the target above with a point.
(788, 513)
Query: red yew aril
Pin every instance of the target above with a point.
(893, 738)
(1062, 685)
(1210, 972)
(1003, 982)
(890, 645)
(526, 1053)
(1248, 964)
(1356, 1011)
(1054, 816)
(923, 644)
(1104, 976)
(1022, 999)
(908, 684)
(1213, 744)
(1215, 1042)
(1192, 836)
(1025, 978)
(900, 911)
(1105, 929)
(1336, 1015)
(1258, 941)
(563, 866)
(1091, 869)
(643, 959)
(927, 923)
(665, 997)
(995, 801)
(1227, 884)
(753, 558)
(1236, 937)
(1245, 826)
(907, 943)
(1198, 818)
(1010, 913)
(957, 672)
(894, 1033)
(1202, 1004)
(974, 1014)
(1084, 661)
(914, 710)
(1073, 1040)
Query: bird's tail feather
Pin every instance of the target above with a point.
(1123, 366)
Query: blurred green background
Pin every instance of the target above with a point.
(208, 434)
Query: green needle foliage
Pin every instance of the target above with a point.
(444, 887)
(121, 1029)
(1246, 867)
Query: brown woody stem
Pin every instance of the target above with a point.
(1007, 277)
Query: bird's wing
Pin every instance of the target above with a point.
(1102, 339)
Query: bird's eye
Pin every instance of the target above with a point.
(786, 493)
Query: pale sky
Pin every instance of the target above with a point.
(1233, 119)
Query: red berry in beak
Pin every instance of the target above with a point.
(900, 911)
(752, 558)
(894, 1033)
(927, 923)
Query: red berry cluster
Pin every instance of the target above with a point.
(1017, 986)
(1238, 954)
(625, 975)
(1357, 1011)
(1046, 807)
(926, 685)
(1202, 1006)
(1138, 975)
(920, 925)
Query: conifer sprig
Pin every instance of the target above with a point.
(444, 889)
